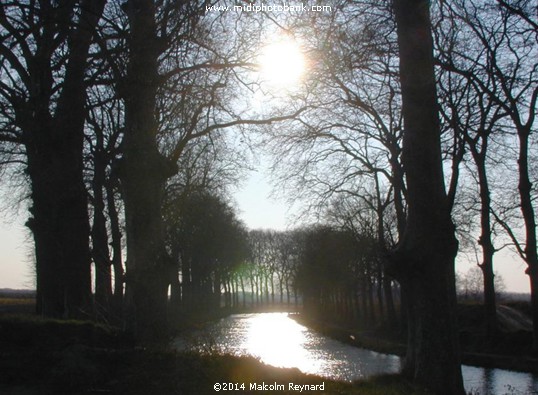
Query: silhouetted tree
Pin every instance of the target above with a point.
(179, 88)
(504, 74)
(209, 242)
(329, 274)
(347, 147)
(365, 217)
(104, 125)
(470, 284)
(45, 47)
(424, 258)
(143, 173)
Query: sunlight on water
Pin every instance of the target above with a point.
(278, 340)
(498, 381)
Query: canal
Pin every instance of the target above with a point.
(276, 339)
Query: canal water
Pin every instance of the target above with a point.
(276, 339)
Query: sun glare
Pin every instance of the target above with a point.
(282, 63)
(279, 341)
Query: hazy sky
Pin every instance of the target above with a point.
(257, 208)
(14, 263)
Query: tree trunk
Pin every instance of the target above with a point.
(257, 288)
(266, 287)
(424, 258)
(527, 209)
(216, 292)
(117, 261)
(242, 282)
(54, 147)
(272, 282)
(143, 174)
(186, 282)
(379, 293)
(99, 234)
(397, 183)
(364, 299)
(391, 310)
(485, 241)
(175, 300)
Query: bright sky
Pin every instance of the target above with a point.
(509, 266)
(255, 206)
(14, 262)
(282, 64)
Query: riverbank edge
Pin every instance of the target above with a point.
(383, 345)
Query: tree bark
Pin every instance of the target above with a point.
(527, 209)
(424, 258)
(143, 174)
(54, 145)
(485, 241)
(99, 234)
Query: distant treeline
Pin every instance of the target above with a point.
(17, 293)
(219, 262)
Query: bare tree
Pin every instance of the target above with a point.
(424, 259)
(178, 89)
(45, 49)
(474, 120)
(103, 135)
(506, 73)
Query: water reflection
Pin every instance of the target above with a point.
(276, 340)
(498, 381)
(280, 341)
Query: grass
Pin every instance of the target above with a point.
(17, 302)
(195, 374)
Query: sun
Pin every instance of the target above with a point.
(282, 63)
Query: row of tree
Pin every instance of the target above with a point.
(332, 273)
(395, 120)
(115, 113)
(112, 112)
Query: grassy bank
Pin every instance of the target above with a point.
(509, 349)
(73, 357)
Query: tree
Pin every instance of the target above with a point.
(474, 120)
(207, 243)
(334, 274)
(518, 83)
(178, 89)
(104, 123)
(348, 146)
(365, 217)
(506, 34)
(424, 258)
(45, 49)
(349, 140)
(143, 173)
(470, 284)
